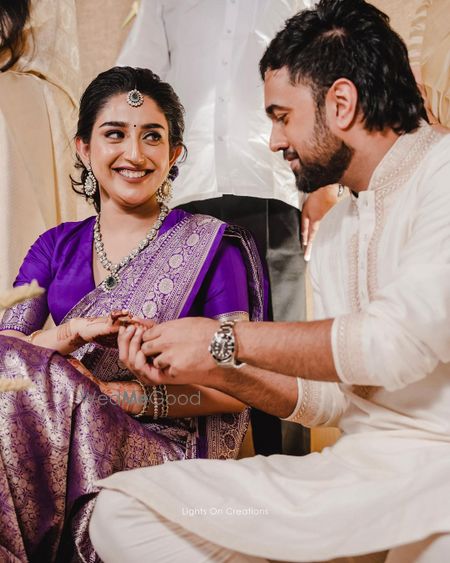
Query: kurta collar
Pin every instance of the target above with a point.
(398, 158)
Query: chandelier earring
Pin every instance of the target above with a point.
(164, 192)
(90, 182)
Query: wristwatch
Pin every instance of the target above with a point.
(223, 346)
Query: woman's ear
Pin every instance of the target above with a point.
(83, 151)
(175, 155)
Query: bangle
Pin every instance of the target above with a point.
(32, 336)
(154, 399)
(165, 402)
(158, 397)
(145, 401)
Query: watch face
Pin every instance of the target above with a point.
(222, 347)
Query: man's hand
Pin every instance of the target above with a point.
(180, 350)
(317, 204)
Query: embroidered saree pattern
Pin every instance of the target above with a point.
(61, 435)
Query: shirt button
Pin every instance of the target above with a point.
(220, 138)
(228, 31)
(221, 99)
(224, 63)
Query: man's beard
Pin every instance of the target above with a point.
(328, 160)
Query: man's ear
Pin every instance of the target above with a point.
(83, 151)
(175, 154)
(342, 103)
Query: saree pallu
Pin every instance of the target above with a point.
(62, 435)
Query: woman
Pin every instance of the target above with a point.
(144, 263)
(39, 92)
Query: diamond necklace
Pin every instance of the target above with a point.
(113, 279)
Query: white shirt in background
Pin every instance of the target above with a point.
(209, 51)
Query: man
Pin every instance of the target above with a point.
(341, 96)
(209, 52)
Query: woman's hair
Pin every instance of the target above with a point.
(120, 80)
(350, 39)
(14, 15)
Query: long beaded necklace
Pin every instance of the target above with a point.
(111, 281)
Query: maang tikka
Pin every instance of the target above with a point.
(90, 182)
(135, 98)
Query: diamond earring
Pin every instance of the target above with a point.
(90, 182)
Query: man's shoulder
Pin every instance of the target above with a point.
(432, 174)
(439, 153)
(332, 221)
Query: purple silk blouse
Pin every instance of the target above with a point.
(61, 261)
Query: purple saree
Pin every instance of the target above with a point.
(59, 437)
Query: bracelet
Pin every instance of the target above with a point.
(154, 398)
(159, 393)
(32, 336)
(146, 400)
(165, 401)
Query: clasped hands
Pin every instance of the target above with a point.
(174, 352)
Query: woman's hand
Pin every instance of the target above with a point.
(314, 208)
(130, 354)
(102, 330)
(128, 395)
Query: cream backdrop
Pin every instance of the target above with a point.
(424, 26)
(69, 44)
(37, 109)
(101, 33)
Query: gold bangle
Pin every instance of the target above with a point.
(32, 336)
(146, 400)
(154, 399)
(165, 401)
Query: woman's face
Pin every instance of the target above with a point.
(129, 152)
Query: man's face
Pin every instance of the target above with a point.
(316, 156)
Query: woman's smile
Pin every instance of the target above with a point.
(133, 175)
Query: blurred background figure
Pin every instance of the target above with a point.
(209, 51)
(39, 82)
(429, 53)
(425, 28)
(103, 27)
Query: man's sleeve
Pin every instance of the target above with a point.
(405, 331)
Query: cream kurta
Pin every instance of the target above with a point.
(382, 263)
(38, 101)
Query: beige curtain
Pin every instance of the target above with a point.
(38, 99)
(425, 28)
(101, 33)
(67, 44)
(429, 49)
